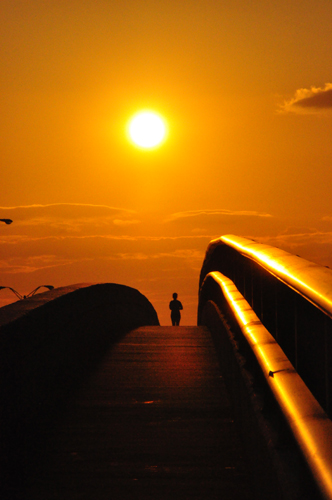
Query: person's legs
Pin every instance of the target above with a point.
(175, 319)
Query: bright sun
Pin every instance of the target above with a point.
(147, 129)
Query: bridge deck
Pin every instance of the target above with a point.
(153, 422)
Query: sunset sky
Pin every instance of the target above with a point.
(245, 88)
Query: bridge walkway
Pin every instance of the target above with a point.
(153, 422)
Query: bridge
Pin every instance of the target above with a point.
(99, 401)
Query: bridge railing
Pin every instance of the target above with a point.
(295, 466)
(271, 312)
(291, 296)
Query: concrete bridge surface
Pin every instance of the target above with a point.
(152, 422)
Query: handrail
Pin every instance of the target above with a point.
(306, 419)
(292, 298)
(312, 281)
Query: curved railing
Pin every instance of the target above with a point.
(312, 281)
(282, 306)
(291, 296)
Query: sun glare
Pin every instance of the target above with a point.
(147, 129)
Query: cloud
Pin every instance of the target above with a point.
(51, 205)
(189, 254)
(37, 214)
(218, 212)
(22, 254)
(21, 239)
(36, 263)
(311, 100)
(310, 243)
(296, 238)
(120, 222)
(68, 218)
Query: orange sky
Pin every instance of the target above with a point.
(245, 88)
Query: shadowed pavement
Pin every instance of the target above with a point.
(152, 422)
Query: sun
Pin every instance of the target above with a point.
(147, 129)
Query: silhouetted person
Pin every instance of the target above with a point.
(175, 306)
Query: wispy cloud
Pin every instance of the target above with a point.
(310, 243)
(29, 264)
(217, 212)
(189, 254)
(35, 263)
(122, 223)
(297, 238)
(20, 239)
(49, 205)
(62, 218)
(315, 99)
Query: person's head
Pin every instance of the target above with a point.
(175, 296)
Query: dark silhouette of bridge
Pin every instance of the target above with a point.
(99, 401)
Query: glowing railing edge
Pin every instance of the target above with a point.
(306, 278)
(308, 422)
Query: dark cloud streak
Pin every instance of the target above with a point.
(319, 100)
(313, 99)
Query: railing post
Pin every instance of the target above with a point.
(251, 284)
(296, 327)
(327, 360)
(276, 311)
(261, 296)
